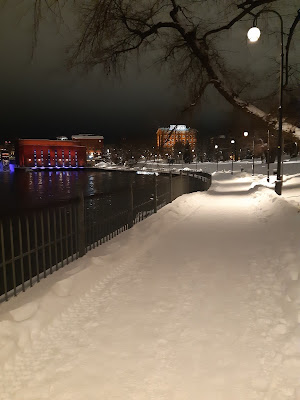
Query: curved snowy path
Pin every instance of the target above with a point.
(195, 313)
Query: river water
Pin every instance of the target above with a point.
(22, 189)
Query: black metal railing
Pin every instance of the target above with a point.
(35, 242)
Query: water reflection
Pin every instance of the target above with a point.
(30, 188)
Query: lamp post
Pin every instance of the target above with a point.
(253, 148)
(193, 151)
(253, 36)
(296, 150)
(216, 148)
(232, 142)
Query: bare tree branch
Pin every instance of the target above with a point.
(113, 30)
(248, 7)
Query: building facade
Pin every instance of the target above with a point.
(94, 144)
(167, 137)
(46, 153)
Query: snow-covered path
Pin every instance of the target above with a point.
(190, 304)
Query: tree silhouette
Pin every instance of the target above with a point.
(187, 153)
(175, 32)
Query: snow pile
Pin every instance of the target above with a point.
(101, 164)
(201, 301)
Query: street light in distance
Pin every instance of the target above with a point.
(253, 148)
(232, 142)
(216, 148)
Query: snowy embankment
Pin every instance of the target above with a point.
(289, 166)
(201, 301)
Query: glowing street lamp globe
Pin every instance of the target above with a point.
(246, 134)
(253, 34)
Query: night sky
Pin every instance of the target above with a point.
(41, 98)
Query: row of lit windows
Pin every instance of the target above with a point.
(172, 140)
(179, 137)
(56, 159)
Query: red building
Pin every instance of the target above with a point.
(49, 153)
(94, 144)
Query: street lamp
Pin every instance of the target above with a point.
(253, 36)
(253, 149)
(216, 147)
(194, 157)
(232, 142)
(296, 150)
(245, 135)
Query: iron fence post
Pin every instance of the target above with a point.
(3, 260)
(81, 226)
(181, 182)
(171, 188)
(155, 193)
(130, 213)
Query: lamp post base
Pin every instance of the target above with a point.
(278, 187)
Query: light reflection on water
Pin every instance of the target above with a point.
(30, 188)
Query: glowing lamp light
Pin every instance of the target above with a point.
(232, 141)
(253, 34)
(216, 146)
(246, 134)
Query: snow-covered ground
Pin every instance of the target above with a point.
(290, 166)
(198, 302)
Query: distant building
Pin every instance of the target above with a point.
(167, 137)
(94, 144)
(49, 153)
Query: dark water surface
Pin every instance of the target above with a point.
(23, 189)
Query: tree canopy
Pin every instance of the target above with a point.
(186, 35)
